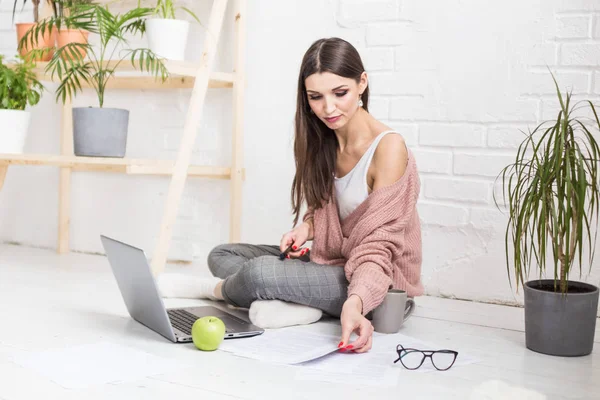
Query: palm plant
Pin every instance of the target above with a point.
(72, 69)
(553, 196)
(62, 8)
(166, 9)
(36, 8)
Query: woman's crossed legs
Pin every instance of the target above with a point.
(255, 272)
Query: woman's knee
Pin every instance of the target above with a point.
(215, 258)
(254, 272)
(254, 269)
(248, 284)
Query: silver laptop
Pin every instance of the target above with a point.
(140, 293)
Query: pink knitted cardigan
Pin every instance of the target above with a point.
(378, 244)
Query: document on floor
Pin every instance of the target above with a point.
(283, 346)
(374, 368)
(368, 369)
(82, 366)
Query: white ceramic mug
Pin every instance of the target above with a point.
(396, 308)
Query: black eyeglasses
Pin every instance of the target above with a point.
(442, 360)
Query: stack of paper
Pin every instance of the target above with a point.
(351, 368)
(375, 367)
(283, 346)
(318, 357)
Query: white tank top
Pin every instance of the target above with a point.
(352, 188)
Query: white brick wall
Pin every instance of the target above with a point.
(480, 164)
(573, 27)
(460, 135)
(447, 75)
(462, 93)
(357, 11)
(456, 190)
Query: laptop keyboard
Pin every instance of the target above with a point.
(183, 320)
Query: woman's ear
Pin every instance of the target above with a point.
(364, 82)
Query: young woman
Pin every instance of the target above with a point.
(360, 185)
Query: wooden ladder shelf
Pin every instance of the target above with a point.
(197, 76)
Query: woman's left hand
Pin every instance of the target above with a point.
(353, 321)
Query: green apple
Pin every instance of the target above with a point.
(208, 333)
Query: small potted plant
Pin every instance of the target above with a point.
(46, 39)
(100, 131)
(167, 36)
(18, 89)
(551, 193)
(66, 34)
(64, 13)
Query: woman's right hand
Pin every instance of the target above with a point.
(297, 237)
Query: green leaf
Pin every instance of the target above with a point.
(552, 195)
(190, 12)
(19, 86)
(112, 29)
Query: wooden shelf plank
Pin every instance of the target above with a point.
(183, 76)
(223, 78)
(181, 68)
(117, 165)
(150, 83)
(2, 175)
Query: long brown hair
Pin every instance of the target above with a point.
(315, 145)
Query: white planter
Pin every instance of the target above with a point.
(168, 37)
(14, 125)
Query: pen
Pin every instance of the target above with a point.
(282, 255)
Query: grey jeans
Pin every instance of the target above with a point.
(255, 272)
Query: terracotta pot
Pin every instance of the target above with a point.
(66, 36)
(47, 41)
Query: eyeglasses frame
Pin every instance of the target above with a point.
(426, 354)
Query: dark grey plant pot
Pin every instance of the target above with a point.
(100, 132)
(557, 324)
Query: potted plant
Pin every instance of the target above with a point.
(64, 13)
(18, 88)
(167, 36)
(46, 39)
(100, 131)
(551, 193)
(67, 34)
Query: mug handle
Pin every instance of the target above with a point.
(410, 307)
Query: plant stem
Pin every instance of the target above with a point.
(563, 275)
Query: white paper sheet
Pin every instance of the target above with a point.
(371, 369)
(283, 346)
(87, 365)
(374, 368)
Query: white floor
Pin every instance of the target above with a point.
(51, 301)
